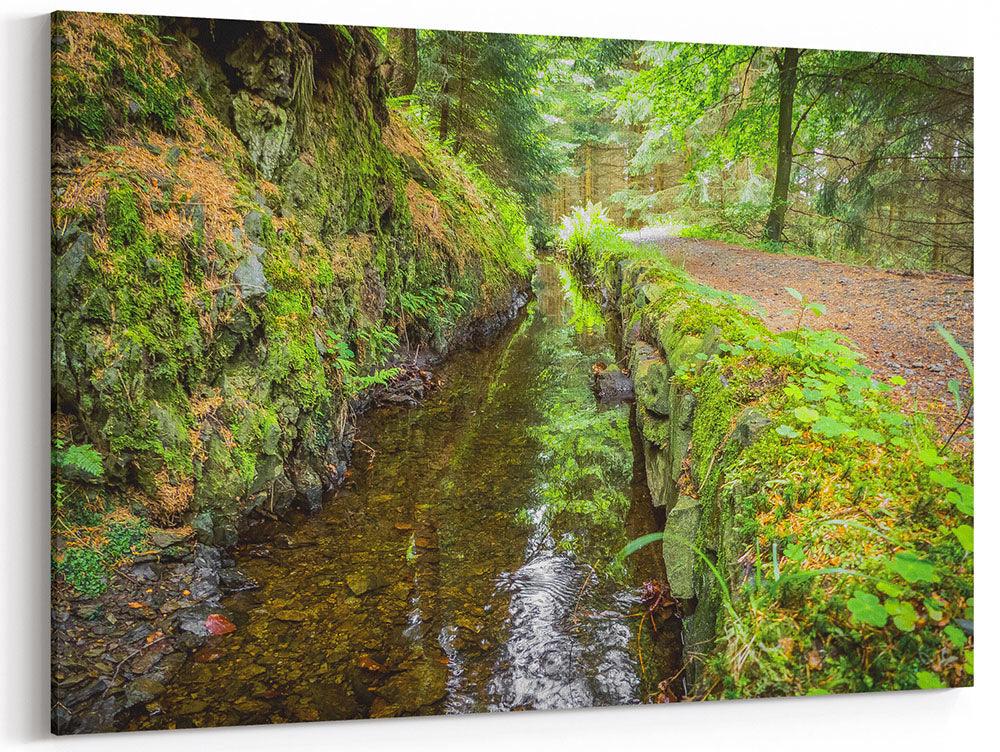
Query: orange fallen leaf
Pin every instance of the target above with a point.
(136, 604)
(217, 624)
(365, 661)
(153, 637)
(185, 592)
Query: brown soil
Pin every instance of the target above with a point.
(888, 315)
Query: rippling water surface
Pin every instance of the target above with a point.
(463, 568)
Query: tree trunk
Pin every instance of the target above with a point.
(788, 72)
(944, 148)
(446, 92)
(403, 50)
(460, 112)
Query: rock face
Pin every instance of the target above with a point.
(685, 450)
(219, 273)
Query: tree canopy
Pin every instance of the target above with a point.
(859, 156)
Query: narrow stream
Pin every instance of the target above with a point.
(463, 567)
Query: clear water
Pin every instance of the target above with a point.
(463, 567)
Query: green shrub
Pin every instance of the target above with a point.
(84, 569)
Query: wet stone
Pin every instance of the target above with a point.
(142, 690)
(144, 573)
(423, 684)
(612, 386)
(192, 620)
(289, 614)
(359, 583)
(233, 580)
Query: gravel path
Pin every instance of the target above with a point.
(889, 315)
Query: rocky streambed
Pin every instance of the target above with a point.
(463, 567)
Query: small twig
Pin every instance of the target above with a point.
(127, 658)
(638, 644)
(961, 423)
(359, 441)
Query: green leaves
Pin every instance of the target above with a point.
(956, 393)
(944, 478)
(871, 435)
(928, 680)
(794, 293)
(81, 457)
(805, 414)
(964, 535)
(912, 568)
(795, 552)
(867, 609)
(634, 545)
(890, 588)
(956, 348)
(955, 636)
(903, 614)
(829, 427)
(929, 456)
(961, 497)
(787, 431)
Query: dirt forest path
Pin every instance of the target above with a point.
(889, 315)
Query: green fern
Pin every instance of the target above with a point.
(82, 457)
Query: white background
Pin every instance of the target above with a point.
(942, 720)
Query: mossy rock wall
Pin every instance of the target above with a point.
(669, 411)
(796, 493)
(236, 213)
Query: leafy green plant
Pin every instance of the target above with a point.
(81, 460)
(345, 362)
(438, 307)
(899, 577)
(84, 569)
(580, 227)
(376, 344)
(634, 545)
(81, 457)
(805, 306)
(953, 386)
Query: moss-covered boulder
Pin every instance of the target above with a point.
(243, 235)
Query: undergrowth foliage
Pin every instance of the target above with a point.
(853, 570)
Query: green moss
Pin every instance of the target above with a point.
(123, 85)
(77, 106)
(790, 434)
(147, 281)
(161, 332)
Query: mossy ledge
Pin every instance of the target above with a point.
(819, 535)
(245, 238)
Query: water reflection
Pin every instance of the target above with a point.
(462, 570)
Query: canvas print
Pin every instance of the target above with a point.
(412, 372)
